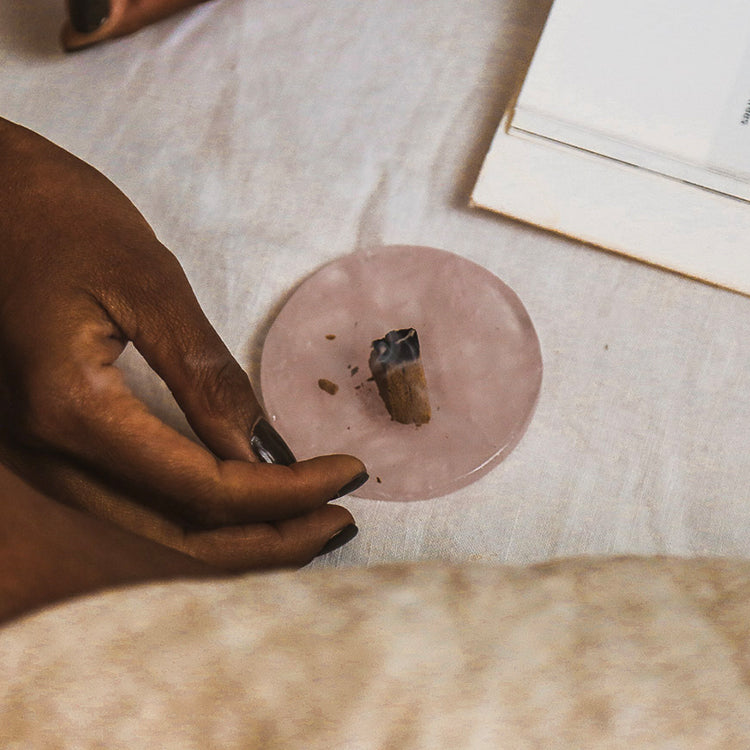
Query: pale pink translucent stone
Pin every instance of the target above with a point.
(480, 353)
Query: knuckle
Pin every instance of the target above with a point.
(222, 386)
(208, 508)
(204, 517)
(287, 549)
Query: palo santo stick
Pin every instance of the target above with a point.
(397, 369)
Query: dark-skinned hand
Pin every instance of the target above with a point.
(93, 21)
(82, 275)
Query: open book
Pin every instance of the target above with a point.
(632, 131)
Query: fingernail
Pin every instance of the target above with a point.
(268, 445)
(339, 539)
(354, 484)
(87, 16)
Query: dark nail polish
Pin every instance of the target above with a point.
(354, 484)
(86, 16)
(269, 446)
(339, 539)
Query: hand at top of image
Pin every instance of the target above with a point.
(93, 21)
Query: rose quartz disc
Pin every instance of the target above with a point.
(479, 350)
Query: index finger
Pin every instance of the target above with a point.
(106, 428)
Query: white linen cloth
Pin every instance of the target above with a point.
(263, 139)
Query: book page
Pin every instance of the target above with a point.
(662, 84)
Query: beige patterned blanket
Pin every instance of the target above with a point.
(581, 653)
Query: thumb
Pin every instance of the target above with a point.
(93, 21)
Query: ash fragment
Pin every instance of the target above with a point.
(328, 386)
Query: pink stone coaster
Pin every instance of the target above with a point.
(479, 350)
